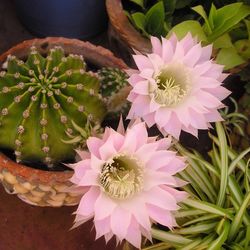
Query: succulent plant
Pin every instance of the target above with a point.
(40, 98)
(112, 80)
(114, 89)
(216, 213)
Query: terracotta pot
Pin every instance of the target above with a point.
(123, 36)
(38, 187)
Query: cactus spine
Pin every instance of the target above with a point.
(39, 100)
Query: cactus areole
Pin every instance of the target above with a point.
(40, 98)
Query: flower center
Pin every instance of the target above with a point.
(122, 177)
(173, 84)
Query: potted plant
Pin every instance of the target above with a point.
(47, 90)
(132, 22)
(76, 18)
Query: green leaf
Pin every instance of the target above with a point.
(226, 21)
(223, 41)
(182, 3)
(139, 20)
(247, 237)
(208, 207)
(225, 13)
(169, 237)
(238, 218)
(217, 244)
(229, 58)
(154, 19)
(243, 48)
(169, 6)
(138, 2)
(247, 22)
(191, 26)
(199, 219)
(200, 10)
(192, 245)
(205, 227)
(212, 16)
(237, 159)
(224, 163)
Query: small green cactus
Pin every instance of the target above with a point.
(40, 98)
(114, 82)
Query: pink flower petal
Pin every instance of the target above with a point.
(102, 227)
(93, 144)
(164, 143)
(208, 100)
(162, 216)
(206, 53)
(198, 120)
(220, 92)
(173, 127)
(107, 150)
(147, 73)
(120, 221)
(159, 159)
(161, 198)
(176, 165)
(193, 55)
(104, 207)
(141, 88)
(133, 79)
(86, 205)
(131, 72)
(142, 62)
(213, 116)
(157, 178)
(133, 234)
(156, 61)
(79, 170)
(96, 164)
(179, 52)
(183, 115)
(108, 236)
(191, 130)
(187, 42)
(149, 119)
(135, 138)
(167, 50)
(178, 195)
(145, 152)
(136, 206)
(153, 106)
(90, 178)
(162, 116)
(120, 128)
(156, 45)
(83, 154)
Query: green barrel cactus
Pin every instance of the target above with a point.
(40, 99)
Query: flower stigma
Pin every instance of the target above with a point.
(173, 84)
(122, 177)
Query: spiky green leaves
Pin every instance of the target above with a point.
(39, 100)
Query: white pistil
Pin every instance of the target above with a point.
(173, 84)
(122, 177)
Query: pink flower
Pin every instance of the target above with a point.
(131, 183)
(177, 87)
